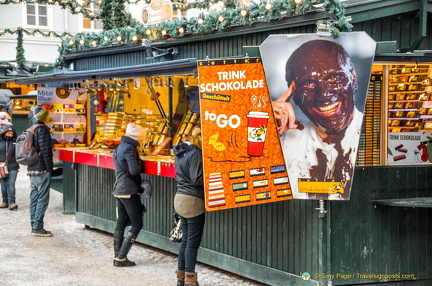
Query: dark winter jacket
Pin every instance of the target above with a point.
(43, 145)
(128, 167)
(7, 143)
(189, 170)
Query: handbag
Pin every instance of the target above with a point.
(176, 233)
(4, 172)
(146, 189)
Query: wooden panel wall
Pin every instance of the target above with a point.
(374, 239)
(403, 29)
(353, 237)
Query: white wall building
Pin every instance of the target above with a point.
(42, 17)
(45, 18)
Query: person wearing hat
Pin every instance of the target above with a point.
(128, 167)
(7, 154)
(40, 172)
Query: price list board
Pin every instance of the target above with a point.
(369, 145)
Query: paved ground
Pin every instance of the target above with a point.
(76, 255)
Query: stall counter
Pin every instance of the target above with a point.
(152, 165)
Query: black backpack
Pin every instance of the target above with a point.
(25, 152)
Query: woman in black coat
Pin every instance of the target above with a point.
(128, 167)
(189, 204)
(7, 150)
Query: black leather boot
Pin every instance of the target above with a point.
(118, 240)
(121, 259)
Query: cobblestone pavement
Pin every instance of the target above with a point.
(76, 255)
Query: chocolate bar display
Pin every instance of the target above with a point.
(408, 92)
(369, 144)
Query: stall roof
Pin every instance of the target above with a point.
(167, 67)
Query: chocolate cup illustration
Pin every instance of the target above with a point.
(257, 131)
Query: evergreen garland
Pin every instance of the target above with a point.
(120, 28)
(20, 58)
(105, 14)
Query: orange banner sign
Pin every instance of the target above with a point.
(243, 161)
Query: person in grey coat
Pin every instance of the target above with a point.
(128, 167)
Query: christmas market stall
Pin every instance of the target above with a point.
(269, 218)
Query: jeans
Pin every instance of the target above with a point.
(8, 187)
(39, 198)
(192, 230)
(129, 211)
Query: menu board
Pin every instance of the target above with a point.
(242, 156)
(407, 148)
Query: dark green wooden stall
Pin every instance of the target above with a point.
(355, 241)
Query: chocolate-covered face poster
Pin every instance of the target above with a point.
(318, 86)
(242, 156)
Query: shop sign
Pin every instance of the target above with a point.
(67, 108)
(242, 156)
(407, 148)
(318, 86)
(157, 12)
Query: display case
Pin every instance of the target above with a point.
(67, 106)
(409, 98)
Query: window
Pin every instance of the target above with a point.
(87, 24)
(37, 14)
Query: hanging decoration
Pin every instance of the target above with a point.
(33, 32)
(20, 58)
(209, 23)
(120, 28)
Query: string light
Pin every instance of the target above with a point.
(233, 16)
(119, 38)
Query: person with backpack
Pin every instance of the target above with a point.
(7, 154)
(40, 171)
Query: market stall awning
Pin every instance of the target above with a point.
(167, 67)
